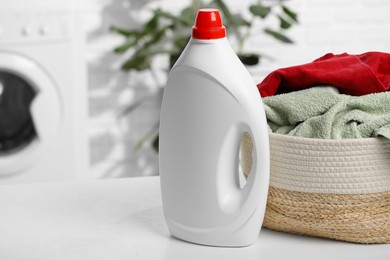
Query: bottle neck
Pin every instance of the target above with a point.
(201, 41)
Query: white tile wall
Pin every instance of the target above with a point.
(352, 26)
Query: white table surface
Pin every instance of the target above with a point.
(123, 219)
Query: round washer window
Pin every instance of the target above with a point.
(17, 128)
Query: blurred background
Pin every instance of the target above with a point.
(94, 111)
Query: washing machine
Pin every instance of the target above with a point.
(43, 100)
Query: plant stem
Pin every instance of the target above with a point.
(244, 37)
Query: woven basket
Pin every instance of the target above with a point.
(338, 189)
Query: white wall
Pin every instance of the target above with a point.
(337, 26)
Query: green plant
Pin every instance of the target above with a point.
(166, 33)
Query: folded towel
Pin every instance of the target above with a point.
(322, 112)
(352, 74)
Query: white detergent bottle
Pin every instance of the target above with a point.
(210, 101)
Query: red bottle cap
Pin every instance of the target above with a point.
(208, 25)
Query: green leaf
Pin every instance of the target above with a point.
(127, 45)
(187, 16)
(173, 58)
(123, 32)
(278, 35)
(156, 143)
(239, 21)
(173, 18)
(161, 13)
(154, 50)
(164, 14)
(225, 11)
(181, 41)
(137, 62)
(156, 37)
(249, 59)
(230, 21)
(290, 13)
(284, 24)
(150, 26)
(260, 10)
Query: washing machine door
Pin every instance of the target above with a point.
(30, 112)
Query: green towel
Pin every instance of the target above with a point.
(322, 112)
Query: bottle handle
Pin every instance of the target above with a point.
(232, 198)
(255, 191)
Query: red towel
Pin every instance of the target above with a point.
(352, 74)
